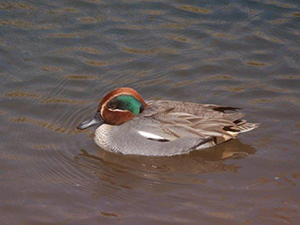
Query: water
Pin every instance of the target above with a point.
(59, 57)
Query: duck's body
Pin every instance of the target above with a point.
(164, 128)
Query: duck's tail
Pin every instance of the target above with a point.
(242, 126)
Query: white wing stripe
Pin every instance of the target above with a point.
(150, 135)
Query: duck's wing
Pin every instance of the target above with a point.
(185, 119)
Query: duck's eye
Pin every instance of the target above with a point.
(112, 106)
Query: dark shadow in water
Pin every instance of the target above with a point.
(197, 162)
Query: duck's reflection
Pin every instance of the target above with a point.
(197, 162)
(134, 177)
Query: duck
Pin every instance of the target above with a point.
(129, 125)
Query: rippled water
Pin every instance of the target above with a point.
(59, 57)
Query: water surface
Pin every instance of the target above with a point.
(57, 58)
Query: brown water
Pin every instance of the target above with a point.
(57, 58)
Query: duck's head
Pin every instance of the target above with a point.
(117, 107)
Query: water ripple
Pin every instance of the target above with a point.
(59, 58)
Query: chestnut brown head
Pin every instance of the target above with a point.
(117, 107)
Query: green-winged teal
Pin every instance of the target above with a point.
(127, 124)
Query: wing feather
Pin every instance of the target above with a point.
(181, 119)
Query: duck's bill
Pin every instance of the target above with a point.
(96, 120)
